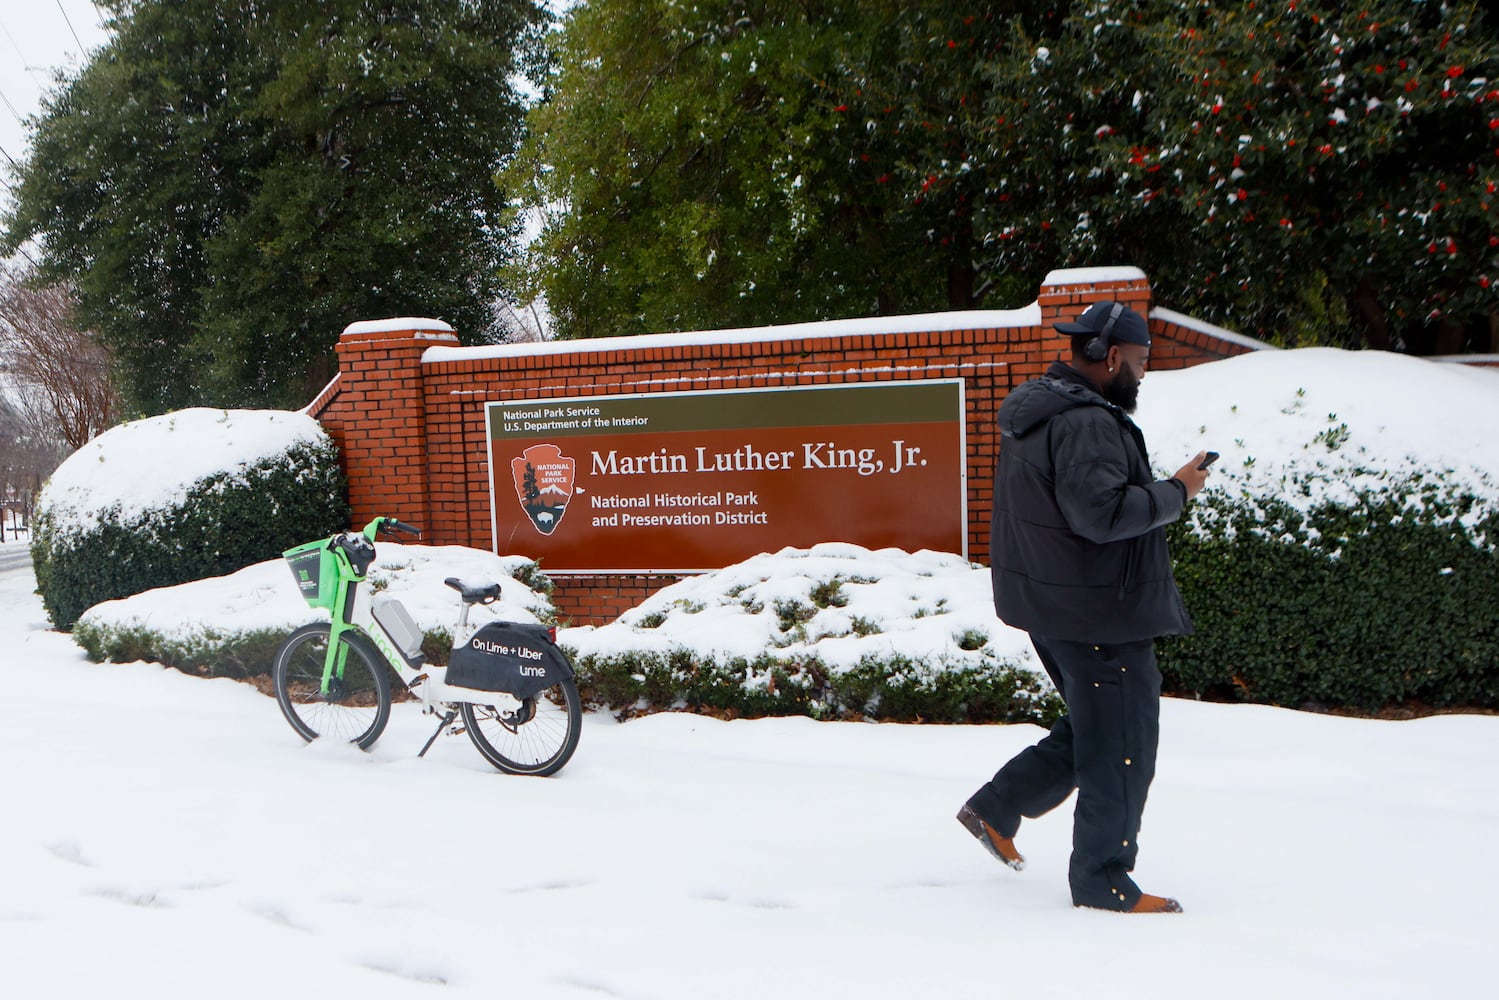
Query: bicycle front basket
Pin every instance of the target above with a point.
(315, 568)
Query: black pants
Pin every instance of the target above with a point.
(1105, 747)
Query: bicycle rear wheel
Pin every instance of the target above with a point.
(535, 740)
(356, 706)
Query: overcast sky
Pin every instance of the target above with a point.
(38, 37)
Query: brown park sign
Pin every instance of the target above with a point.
(689, 481)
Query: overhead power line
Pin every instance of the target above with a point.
(70, 25)
(20, 56)
(11, 107)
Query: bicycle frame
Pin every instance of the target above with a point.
(346, 604)
(354, 610)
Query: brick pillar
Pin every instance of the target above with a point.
(1067, 292)
(380, 418)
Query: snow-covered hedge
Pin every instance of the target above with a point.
(183, 496)
(1382, 599)
(230, 626)
(836, 631)
(1346, 551)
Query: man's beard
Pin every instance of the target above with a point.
(1124, 391)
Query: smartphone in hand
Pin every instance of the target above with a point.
(1208, 460)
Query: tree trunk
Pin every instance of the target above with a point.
(1364, 303)
(1449, 338)
(960, 266)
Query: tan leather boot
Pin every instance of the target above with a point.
(1145, 904)
(1001, 847)
(1155, 904)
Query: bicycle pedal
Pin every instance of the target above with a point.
(415, 681)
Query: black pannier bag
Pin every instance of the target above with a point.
(512, 657)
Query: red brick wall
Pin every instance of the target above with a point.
(376, 411)
(412, 431)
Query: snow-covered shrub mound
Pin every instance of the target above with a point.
(231, 625)
(183, 496)
(1346, 550)
(837, 601)
(834, 630)
(1319, 426)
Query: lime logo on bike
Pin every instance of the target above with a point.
(544, 484)
(312, 566)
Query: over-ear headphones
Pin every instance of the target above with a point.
(1098, 348)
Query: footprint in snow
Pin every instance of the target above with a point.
(67, 850)
(146, 900)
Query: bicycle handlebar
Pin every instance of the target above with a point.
(380, 524)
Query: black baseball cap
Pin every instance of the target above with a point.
(1113, 322)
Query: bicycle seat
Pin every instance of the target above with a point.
(481, 593)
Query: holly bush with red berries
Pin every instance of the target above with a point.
(1306, 172)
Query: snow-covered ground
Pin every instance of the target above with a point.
(168, 836)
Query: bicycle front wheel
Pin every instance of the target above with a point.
(355, 707)
(537, 739)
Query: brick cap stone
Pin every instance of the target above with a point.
(1093, 275)
(398, 324)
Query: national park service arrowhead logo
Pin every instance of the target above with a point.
(544, 483)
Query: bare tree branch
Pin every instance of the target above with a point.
(60, 373)
(28, 454)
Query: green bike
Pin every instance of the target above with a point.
(506, 684)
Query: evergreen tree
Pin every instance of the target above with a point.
(714, 164)
(228, 183)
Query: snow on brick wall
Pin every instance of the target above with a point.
(408, 405)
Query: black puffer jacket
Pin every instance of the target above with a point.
(1077, 546)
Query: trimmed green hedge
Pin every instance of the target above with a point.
(225, 649)
(893, 689)
(240, 655)
(1386, 598)
(223, 523)
(235, 654)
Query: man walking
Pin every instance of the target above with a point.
(1078, 556)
